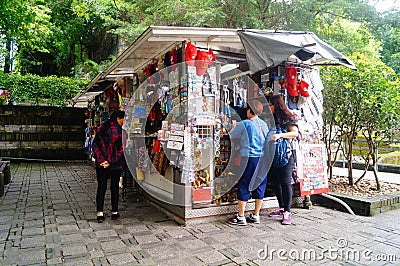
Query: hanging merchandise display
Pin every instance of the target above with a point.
(191, 53)
(303, 88)
(291, 81)
(173, 58)
(202, 62)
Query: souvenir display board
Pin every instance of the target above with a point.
(313, 175)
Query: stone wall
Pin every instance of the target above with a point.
(41, 132)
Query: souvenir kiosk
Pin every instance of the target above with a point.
(194, 83)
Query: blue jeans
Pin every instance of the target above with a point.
(244, 193)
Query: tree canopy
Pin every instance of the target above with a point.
(77, 37)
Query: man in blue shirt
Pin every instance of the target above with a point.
(252, 133)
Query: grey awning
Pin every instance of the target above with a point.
(270, 48)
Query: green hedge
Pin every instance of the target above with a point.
(36, 90)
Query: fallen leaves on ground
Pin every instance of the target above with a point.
(365, 188)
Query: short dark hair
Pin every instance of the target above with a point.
(255, 107)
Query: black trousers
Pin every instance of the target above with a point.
(102, 176)
(281, 179)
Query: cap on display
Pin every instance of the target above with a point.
(291, 81)
(190, 53)
(303, 88)
(202, 62)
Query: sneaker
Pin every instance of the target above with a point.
(237, 220)
(287, 219)
(255, 219)
(277, 212)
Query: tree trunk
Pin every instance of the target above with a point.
(378, 185)
(366, 165)
(374, 165)
(331, 156)
(330, 167)
(350, 162)
(7, 60)
(372, 149)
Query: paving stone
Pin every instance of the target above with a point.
(32, 242)
(146, 261)
(211, 256)
(102, 261)
(239, 260)
(125, 258)
(32, 232)
(54, 262)
(72, 228)
(229, 253)
(181, 261)
(166, 252)
(72, 250)
(226, 237)
(141, 254)
(147, 239)
(73, 261)
(130, 241)
(71, 238)
(96, 254)
(137, 228)
(113, 245)
(33, 257)
(53, 238)
(83, 225)
(179, 233)
(49, 228)
(106, 233)
(93, 246)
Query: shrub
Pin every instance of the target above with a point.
(36, 90)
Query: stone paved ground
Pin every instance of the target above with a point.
(48, 218)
